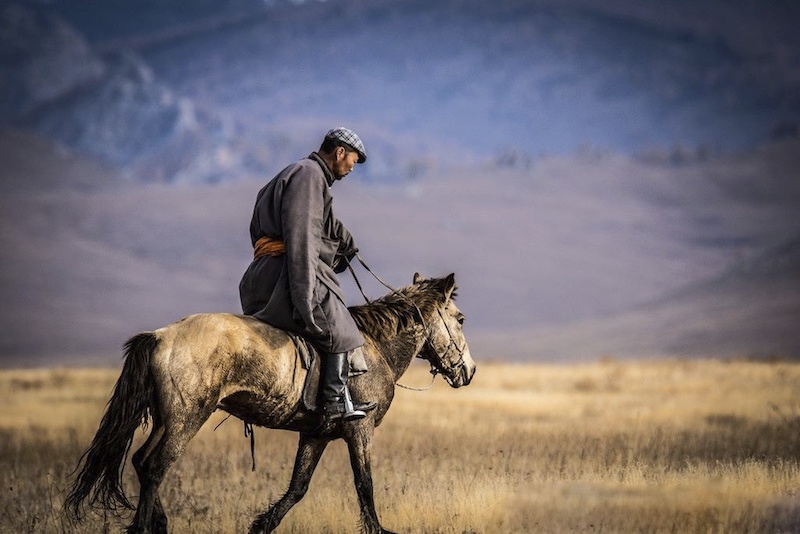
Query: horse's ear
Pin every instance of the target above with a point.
(449, 284)
(417, 278)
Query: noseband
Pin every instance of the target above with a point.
(448, 372)
(440, 355)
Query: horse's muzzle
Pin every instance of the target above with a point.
(467, 372)
(463, 375)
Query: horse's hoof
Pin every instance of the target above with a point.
(376, 530)
(262, 525)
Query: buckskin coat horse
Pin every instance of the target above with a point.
(179, 374)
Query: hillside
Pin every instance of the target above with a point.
(536, 252)
(596, 176)
(749, 311)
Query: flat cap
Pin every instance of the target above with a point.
(346, 135)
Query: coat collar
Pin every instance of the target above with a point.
(329, 177)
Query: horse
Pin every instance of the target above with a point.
(178, 375)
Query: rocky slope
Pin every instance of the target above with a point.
(112, 108)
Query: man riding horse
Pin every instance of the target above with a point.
(299, 246)
(177, 376)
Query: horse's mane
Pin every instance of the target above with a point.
(388, 315)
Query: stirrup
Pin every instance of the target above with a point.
(339, 410)
(357, 407)
(344, 409)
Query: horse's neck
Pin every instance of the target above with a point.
(400, 350)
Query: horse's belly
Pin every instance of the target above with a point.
(269, 412)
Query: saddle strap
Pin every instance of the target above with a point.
(248, 433)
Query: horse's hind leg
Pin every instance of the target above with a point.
(166, 450)
(309, 451)
(159, 521)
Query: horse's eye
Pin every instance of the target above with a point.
(461, 319)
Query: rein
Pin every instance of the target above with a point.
(452, 343)
(426, 388)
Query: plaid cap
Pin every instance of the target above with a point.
(346, 135)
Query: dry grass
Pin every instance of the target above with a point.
(662, 446)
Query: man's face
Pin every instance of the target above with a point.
(345, 161)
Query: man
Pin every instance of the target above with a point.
(299, 245)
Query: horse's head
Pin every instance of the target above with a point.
(446, 348)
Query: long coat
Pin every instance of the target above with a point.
(299, 291)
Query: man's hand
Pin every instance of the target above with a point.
(307, 315)
(342, 259)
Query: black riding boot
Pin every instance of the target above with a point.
(334, 396)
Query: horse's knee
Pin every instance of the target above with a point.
(296, 493)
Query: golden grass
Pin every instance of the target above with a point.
(658, 446)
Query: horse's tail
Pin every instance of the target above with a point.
(103, 462)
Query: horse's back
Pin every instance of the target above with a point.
(211, 356)
(206, 334)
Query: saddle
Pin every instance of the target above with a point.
(310, 360)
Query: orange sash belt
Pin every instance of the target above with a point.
(268, 246)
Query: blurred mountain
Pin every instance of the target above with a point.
(41, 58)
(438, 83)
(109, 107)
(211, 91)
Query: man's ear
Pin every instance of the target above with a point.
(340, 153)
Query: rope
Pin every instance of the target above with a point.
(433, 377)
(370, 271)
(353, 272)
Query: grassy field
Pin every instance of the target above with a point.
(659, 446)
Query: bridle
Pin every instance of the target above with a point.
(448, 371)
(440, 355)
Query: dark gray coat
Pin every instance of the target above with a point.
(299, 291)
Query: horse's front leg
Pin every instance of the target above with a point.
(309, 451)
(359, 445)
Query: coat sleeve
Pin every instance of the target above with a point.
(347, 246)
(302, 213)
